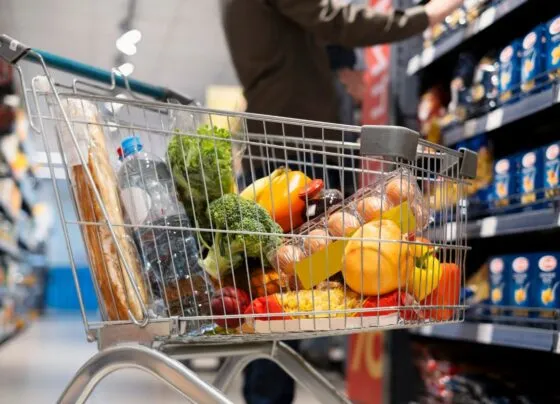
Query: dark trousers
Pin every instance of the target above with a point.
(265, 381)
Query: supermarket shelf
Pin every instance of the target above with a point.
(495, 334)
(502, 116)
(486, 19)
(492, 226)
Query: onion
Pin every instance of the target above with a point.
(370, 208)
(343, 224)
(286, 257)
(317, 241)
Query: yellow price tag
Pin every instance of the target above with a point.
(321, 265)
(402, 215)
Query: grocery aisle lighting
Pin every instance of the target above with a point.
(126, 43)
(126, 68)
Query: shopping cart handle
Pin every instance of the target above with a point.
(12, 51)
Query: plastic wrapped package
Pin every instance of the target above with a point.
(114, 284)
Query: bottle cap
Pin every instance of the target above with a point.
(131, 145)
(311, 189)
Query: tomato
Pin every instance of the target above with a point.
(282, 200)
(446, 294)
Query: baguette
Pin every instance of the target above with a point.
(114, 285)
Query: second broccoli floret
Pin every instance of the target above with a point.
(249, 232)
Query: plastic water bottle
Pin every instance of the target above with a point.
(171, 257)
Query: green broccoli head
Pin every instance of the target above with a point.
(250, 232)
(202, 168)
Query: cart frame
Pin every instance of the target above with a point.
(156, 346)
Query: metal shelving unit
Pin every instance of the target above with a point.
(496, 334)
(502, 116)
(453, 40)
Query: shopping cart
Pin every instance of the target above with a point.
(242, 262)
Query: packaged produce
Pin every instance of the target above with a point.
(317, 251)
(279, 194)
(171, 256)
(500, 280)
(430, 112)
(529, 177)
(510, 71)
(551, 170)
(318, 199)
(459, 90)
(553, 48)
(484, 89)
(504, 181)
(522, 284)
(548, 279)
(533, 60)
(233, 216)
(202, 167)
(118, 298)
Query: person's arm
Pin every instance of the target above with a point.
(354, 25)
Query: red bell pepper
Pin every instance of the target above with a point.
(445, 294)
(266, 304)
(392, 299)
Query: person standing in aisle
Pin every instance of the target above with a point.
(278, 51)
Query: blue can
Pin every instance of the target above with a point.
(510, 71)
(533, 60)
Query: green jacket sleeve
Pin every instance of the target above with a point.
(353, 25)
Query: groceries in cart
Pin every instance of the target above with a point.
(169, 234)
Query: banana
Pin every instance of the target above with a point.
(253, 191)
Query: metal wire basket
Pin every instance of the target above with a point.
(218, 227)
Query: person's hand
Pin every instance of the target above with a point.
(437, 10)
(353, 81)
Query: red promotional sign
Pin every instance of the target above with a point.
(375, 105)
(364, 382)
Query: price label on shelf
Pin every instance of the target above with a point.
(488, 226)
(558, 221)
(413, 65)
(470, 128)
(486, 19)
(494, 119)
(428, 55)
(450, 231)
(426, 330)
(484, 333)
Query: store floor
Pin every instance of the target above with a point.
(37, 364)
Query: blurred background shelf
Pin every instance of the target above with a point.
(11, 249)
(502, 225)
(495, 334)
(490, 16)
(503, 116)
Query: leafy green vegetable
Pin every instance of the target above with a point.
(237, 215)
(203, 170)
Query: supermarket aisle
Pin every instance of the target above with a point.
(36, 365)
